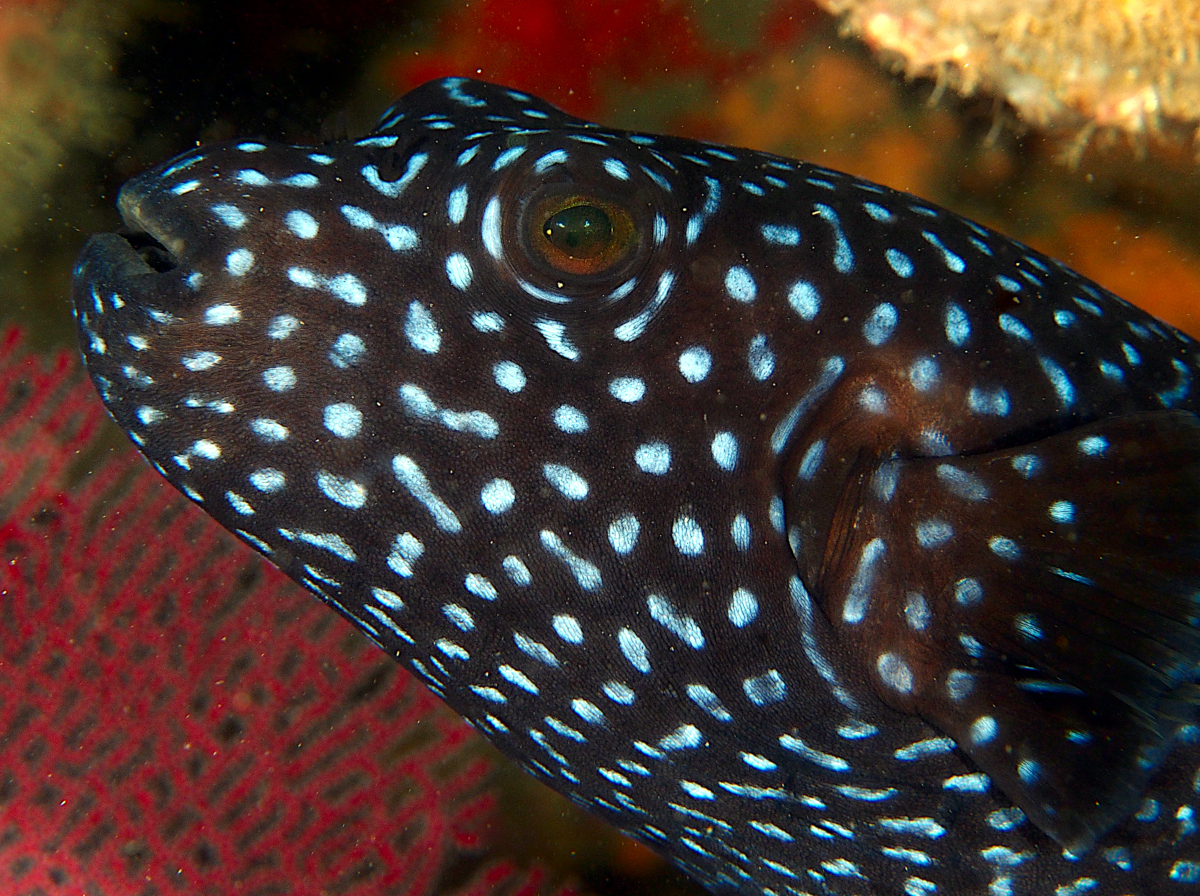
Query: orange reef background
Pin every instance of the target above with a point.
(77, 116)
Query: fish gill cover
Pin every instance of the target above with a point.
(177, 718)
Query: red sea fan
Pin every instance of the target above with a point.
(176, 717)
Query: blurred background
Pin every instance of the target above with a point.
(1068, 124)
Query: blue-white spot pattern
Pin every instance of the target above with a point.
(817, 537)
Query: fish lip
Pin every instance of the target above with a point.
(116, 260)
(144, 230)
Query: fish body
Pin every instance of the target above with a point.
(823, 540)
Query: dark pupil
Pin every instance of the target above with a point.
(581, 231)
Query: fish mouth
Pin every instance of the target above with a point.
(139, 262)
(151, 251)
(141, 206)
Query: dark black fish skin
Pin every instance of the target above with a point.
(825, 541)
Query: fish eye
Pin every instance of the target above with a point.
(581, 231)
(581, 234)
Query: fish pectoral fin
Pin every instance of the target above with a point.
(1038, 604)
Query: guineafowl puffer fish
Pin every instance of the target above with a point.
(819, 538)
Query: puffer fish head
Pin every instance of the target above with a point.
(823, 540)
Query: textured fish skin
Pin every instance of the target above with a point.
(825, 541)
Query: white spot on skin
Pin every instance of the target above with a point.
(688, 537)
(811, 462)
(555, 334)
(302, 224)
(725, 450)
(1004, 548)
(708, 701)
(341, 490)
(618, 692)
(517, 677)
(570, 419)
(1062, 512)
(873, 400)
(983, 730)
(569, 483)
(410, 475)
(858, 597)
(780, 234)
(279, 379)
(952, 261)
(1026, 464)
(591, 714)
(968, 592)
(230, 215)
(460, 617)
(567, 628)
(739, 531)
(222, 315)
(880, 324)
(760, 358)
(1015, 328)
(916, 611)
(958, 325)
(458, 270)
(623, 533)
(269, 430)
(743, 608)
(268, 480)
(282, 326)
(509, 376)
(685, 737)
(421, 330)
(900, 263)
(507, 157)
(239, 262)
(740, 284)
(895, 673)
(585, 573)
(490, 230)
(480, 587)
(825, 760)
(200, 361)
(924, 374)
(634, 649)
(1059, 380)
(765, 689)
(497, 496)
(695, 364)
(549, 160)
(804, 299)
(933, 533)
(653, 458)
(627, 389)
(239, 504)
(456, 204)
(959, 684)
(683, 627)
(995, 402)
(517, 571)
(343, 420)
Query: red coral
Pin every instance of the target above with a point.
(177, 717)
